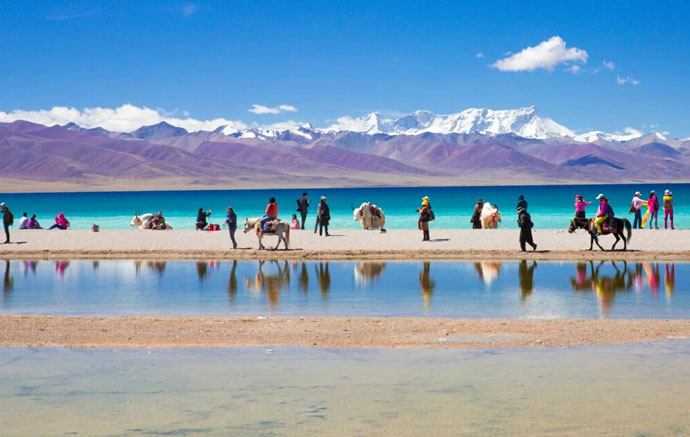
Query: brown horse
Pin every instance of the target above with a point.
(619, 225)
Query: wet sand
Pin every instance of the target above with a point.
(344, 244)
(327, 332)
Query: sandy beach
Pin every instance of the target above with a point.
(327, 332)
(555, 244)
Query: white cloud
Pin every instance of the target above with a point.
(573, 69)
(189, 9)
(626, 79)
(547, 54)
(479, 55)
(125, 118)
(263, 109)
(609, 65)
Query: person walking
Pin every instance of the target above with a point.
(525, 224)
(323, 218)
(316, 223)
(424, 218)
(668, 208)
(477, 214)
(231, 220)
(521, 202)
(636, 208)
(7, 220)
(580, 204)
(201, 221)
(653, 205)
(303, 207)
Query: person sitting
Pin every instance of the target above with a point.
(580, 204)
(158, 222)
(295, 223)
(201, 222)
(270, 214)
(60, 222)
(32, 223)
(22, 221)
(604, 214)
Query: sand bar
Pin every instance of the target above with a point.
(327, 332)
(554, 244)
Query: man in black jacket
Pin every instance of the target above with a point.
(7, 221)
(525, 223)
(303, 207)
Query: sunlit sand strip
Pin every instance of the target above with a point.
(327, 332)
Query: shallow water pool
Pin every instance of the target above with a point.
(509, 289)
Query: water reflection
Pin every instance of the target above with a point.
(61, 267)
(7, 281)
(426, 284)
(323, 277)
(30, 266)
(526, 277)
(488, 271)
(366, 272)
(269, 284)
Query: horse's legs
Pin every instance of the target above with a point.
(615, 242)
(596, 240)
(280, 238)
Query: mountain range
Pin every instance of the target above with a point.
(475, 146)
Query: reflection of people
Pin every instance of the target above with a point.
(8, 281)
(232, 281)
(606, 287)
(201, 270)
(158, 266)
(582, 281)
(526, 276)
(323, 276)
(60, 267)
(670, 278)
(426, 284)
(304, 278)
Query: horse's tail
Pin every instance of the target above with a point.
(628, 228)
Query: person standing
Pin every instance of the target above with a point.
(477, 214)
(7, 220)
(580, 204)
(318, 211)
(521, 202)
(303, 207)
(231, 220)
(323, 218)
(668, 208)
(653, 205)
(424, 218)
(525, 223)
(636, 207)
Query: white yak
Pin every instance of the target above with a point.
(370, 216)
(490, 216)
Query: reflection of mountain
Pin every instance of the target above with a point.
(488, 271)
(366, 272)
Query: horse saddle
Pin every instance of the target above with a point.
(270, 227)
(608, 227)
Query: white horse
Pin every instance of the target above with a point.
(143, 221)
(490, 216)
(370, 216)
(282, 232)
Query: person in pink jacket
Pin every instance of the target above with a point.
(653, 205)
(60, 222)
(580, 205)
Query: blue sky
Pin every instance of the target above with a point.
(331, 59)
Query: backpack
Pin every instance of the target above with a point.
(432, 216)
(11, 222)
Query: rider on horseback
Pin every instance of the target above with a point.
(605, 213)
(270, 214)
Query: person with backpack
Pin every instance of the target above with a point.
(668, 208)
(653, 205)
(525, 224)
(424, 218)
(303, 208)
(323, 218)
(231, 221)
(7, 220)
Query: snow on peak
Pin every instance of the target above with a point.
(593, 136)
(525, 122)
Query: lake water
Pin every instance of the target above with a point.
(522, 289)
(551, 206)
(616, 390)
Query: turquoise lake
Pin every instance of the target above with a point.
(551, 206)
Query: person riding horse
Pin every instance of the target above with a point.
(605, 214)
(270, 214)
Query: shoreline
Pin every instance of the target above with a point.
(135, 332)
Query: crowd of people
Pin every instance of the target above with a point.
(605, 212)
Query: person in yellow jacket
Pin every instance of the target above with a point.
(605, 212)
(668, 208)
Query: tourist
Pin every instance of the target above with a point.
(303, 207)
(324, 216)
(158, 222)
(605, 213)
(668, 208)
(316, 223)
(7, 220)
(201, 222)
(636, 207)
(231, 220)
(580, 205)
(23, 220)
(424, 217)
(525, 223)
(477, 214)
(653, 205)
(271, 213)
(294, 224)
(32, 223)
(60, 222)
(521, 202)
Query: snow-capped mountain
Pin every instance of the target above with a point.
(524, 122)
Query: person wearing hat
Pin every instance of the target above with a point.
(521, 202)
(636, 207)
(605, 213)
(323, 217)
(476, 215)
(303, 207)
(7, 221)
(424, 218)
(231, 220)
(580, 205)
(668, 208)
(653, 205)
(525, 224)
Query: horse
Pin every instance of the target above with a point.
(282, 231)
(370, 216)
(143, 221)
(490, 216)
(619, 225)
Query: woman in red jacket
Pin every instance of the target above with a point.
(270, 214)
